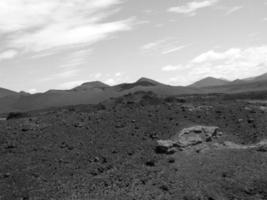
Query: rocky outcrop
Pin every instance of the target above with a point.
(188, 138)
(167, 146)
(201, 138)
(261, 146)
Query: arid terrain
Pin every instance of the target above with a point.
(111, 150)
(133, 100)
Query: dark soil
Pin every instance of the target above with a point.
(108, 152)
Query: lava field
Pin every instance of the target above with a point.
(109, 151)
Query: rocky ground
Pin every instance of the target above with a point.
(110, 151)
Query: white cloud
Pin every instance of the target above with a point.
(118, 74)
(97, 76)
(164, 46)
(76, 58)
(57, 36)
(110, 81)
(33, 25)
(61, 75)
(169, 68)
(234, 63)
(233, 10)
(8, 54)
(67, 74)
(172, 50)
(71, 84)
(32, 90)
(211, 55)
(191, 7)
(152, 45)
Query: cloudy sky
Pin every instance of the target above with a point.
(60, 44)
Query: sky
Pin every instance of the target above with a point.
(59, 44)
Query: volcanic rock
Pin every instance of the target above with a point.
(187, 138)
(166, 146)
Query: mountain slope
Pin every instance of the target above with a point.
(262, 77)
(6, 92)
(96, 92)
(92, 85)
(209, 82)
(88, 93)
(142, 82)
(239, 87)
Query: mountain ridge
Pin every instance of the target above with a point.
(6, 92)
(211, 81)
(95, 92)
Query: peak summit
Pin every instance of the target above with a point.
(147, 80)
(92, 85)
(209, 82)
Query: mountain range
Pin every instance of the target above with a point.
(96, 92)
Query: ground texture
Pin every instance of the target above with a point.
(109, 151)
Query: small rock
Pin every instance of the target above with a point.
(6, 175)
(262, 149)
(164, 188)
(240, 120)
(262, 146)
(250, 120)
(150, 163)
(78, 125)
(171, 160)
(11, 146)
(166, 147)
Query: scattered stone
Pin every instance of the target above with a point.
(171, 160)
(262, 146)
(250, 121)
(262, 149)
(11, 146)
(150, 163)
(78, 125)
(6, 175)
(17, 115)
(164, 188)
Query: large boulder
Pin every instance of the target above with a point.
(189, 137)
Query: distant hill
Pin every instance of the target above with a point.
(96, 92)
(240, 87)
(142, 82)
(6, 92)
(262, 77)
(87, 93)
(225, 85)
(209, 82)
(92, 85)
